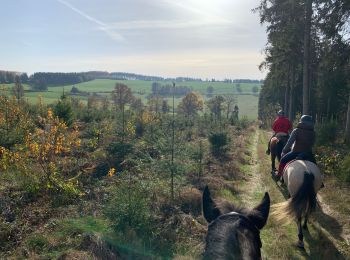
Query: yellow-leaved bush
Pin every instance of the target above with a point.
(15, 122)
(44, 154)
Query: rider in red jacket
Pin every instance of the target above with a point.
(280, 125)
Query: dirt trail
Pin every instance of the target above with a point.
(328, 236)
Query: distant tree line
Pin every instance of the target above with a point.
(9, 77)
(251, 81)
(167, 90)
(59, 78)
(41, 80)
(133, 76)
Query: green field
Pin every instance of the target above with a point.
(247, 102)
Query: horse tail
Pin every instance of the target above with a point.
(302, 204)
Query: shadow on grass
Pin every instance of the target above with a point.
(329, 223)
(320, 246)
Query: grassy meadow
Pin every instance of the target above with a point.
(246, 100)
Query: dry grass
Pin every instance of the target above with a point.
(190, 201)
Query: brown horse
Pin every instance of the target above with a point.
(276, 146)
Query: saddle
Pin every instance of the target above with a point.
(282, 137)
(306, 157)
(302, 156)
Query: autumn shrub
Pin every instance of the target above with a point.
(144, 120)
(328, 159)
(118, 151)
(243, 123)
(218, 143)
(64, 111)
(43, 156)
(128, 209)
(344, 170)
(89, 115)
(15, 122)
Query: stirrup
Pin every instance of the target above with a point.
(281, 180)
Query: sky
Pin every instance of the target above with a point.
(191, 38)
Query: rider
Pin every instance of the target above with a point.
(281, 126)
(303, 138)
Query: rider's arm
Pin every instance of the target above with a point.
(290, 142)
(290, 127)
(274, 125)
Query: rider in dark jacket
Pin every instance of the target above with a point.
(302, 139)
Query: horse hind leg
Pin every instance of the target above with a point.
(305, 223)
(273, 165)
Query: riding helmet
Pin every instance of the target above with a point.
(306, 118)
(280, 113)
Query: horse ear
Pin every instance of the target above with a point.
(260, 213)
(210, 211)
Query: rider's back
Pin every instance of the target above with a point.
(305, 137)
(282, 125)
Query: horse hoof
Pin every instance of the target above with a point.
(300, 244)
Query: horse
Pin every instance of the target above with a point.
(276, 146)
(303, 180)
(233, 233)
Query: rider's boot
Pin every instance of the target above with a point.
(280, 169)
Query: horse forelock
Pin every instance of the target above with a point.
(226, 207)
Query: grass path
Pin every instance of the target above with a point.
(324, 239)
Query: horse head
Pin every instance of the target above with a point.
(233, 233)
